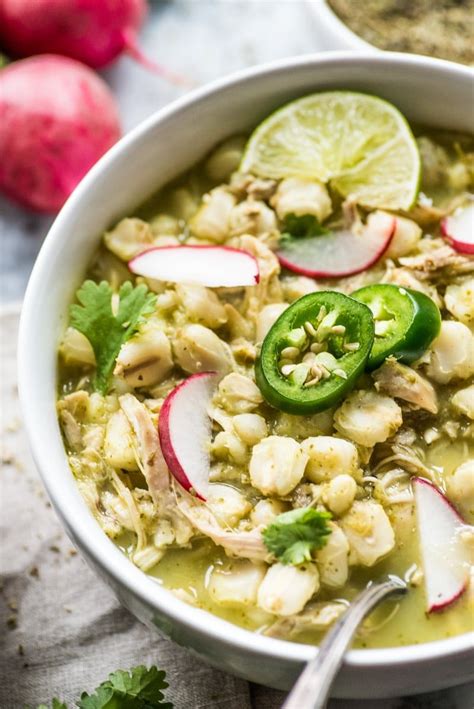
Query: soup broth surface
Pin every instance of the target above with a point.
(437, 443)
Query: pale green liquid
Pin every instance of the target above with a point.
(395, 623)
(403, 622)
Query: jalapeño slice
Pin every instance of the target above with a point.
(406, 322)
(314, 352)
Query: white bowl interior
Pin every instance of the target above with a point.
(427, 91)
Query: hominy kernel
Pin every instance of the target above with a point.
(290, 352)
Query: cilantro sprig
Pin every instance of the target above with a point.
(141, 688)
(105, 331)
(294, 535)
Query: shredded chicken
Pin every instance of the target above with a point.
(71, 428)
(410, 279)
(71, 411)
(403, 382)
(125, 494)
(425, 214)
(306, 495)
(406, 458)
(242, 184)
(393, 487)
(441, 257)
(154, 466)
(258, 188)
(246, 544)
(237, 325)
(268, 289)
(316, 617)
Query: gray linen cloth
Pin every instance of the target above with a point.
(63, 631)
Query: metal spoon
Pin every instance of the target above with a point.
(312, 688)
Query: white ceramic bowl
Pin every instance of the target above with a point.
(427, 91)
(332, 33)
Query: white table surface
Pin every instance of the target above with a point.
(201, 39)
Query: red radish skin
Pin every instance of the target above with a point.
(438, 607)
(91, 31)
(58, 119)
(358, 252)
(458, 229)
(443, 559)
(212, 266)
(184, 428)
(95, 32)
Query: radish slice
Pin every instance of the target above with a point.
(444, 555)
(340, 253)
(211, 266)
(185, 432)
(458, 229)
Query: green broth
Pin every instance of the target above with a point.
(403, 622)
(187, 570)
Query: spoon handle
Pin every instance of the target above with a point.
(313, 685)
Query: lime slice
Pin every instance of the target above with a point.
(361, 144)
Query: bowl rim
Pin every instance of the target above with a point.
(321, 9)
(57, 478)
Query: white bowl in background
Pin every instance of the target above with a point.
(427, 91)
(331, 33)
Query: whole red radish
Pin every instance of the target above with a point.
(57, 118)
(92, 31)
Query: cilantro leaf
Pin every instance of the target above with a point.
(103, 698)
(140, 682)
(302, 227)
(141, 688)
(105, 331)
(292, 536)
